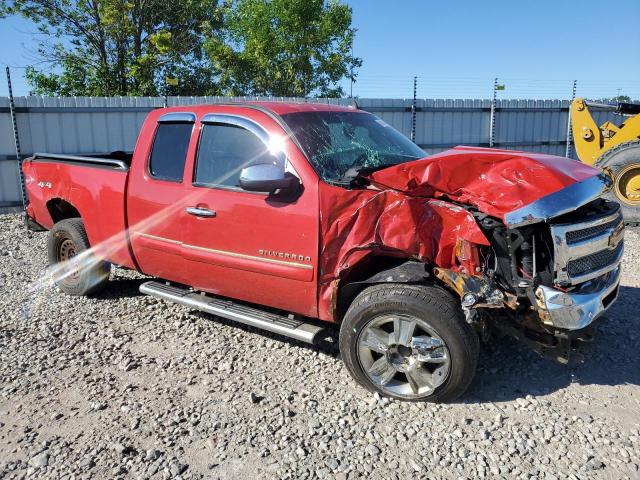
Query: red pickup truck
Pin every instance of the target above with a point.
(293, 216)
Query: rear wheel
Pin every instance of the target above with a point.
(409, 342)
(75, 272)
(624, 163)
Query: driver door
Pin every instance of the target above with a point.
(247, 245)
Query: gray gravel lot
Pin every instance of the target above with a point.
(126, 386)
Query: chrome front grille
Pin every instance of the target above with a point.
(576, 236)
(594, 262)
(588, 245)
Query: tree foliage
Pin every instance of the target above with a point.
(284, 47)
(614, 100)
(622, 99)
(129, 47)
(119, 47)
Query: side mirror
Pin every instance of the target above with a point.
(267, 177)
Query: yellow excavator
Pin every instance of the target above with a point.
(613, 147)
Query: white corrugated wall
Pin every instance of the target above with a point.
(104, 124)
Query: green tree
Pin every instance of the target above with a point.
(622, 99)
(614, 100)
(120, 47)
(284, 47)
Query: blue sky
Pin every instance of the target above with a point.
(456, 48)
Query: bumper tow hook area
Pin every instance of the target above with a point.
(476, 291)
(578, 308)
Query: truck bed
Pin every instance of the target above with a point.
(120, 160)
(94, 184)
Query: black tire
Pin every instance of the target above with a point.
(616, 159)
(67, 239)
(429, 303)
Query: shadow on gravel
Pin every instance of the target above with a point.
(328, 346)
(508, 370)
(121, 288)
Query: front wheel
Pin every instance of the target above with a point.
(409, 342)
(75, 270)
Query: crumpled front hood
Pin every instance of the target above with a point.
(495, 181)
(398, 221)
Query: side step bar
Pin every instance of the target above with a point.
(271, 322)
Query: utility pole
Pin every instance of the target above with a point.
(492, 121)
(16, 138)
(413, 109)
(569, 149)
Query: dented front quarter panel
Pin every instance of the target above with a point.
(359, 223)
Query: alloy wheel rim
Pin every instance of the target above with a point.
(403, 355)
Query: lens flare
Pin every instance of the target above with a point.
(86, 260)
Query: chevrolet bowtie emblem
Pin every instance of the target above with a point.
(616, 236)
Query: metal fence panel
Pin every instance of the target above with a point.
(441, 124)
(9, 183)
(79, 125)
(100, 124)
(7, 147)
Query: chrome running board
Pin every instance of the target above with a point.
(305, 332)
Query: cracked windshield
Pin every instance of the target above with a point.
(343, 145)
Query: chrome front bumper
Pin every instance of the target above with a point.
(588, 246)
(577, 309)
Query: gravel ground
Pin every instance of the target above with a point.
(126, 386)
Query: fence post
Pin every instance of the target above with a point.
(492, 121)
(351, 72)
(16, 139)
(569, 149)
(413, 109)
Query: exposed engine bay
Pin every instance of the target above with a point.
(549, 280)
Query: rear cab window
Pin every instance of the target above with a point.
(170, 145)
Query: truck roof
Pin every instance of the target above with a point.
(279, 108)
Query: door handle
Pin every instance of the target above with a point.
(200, 212)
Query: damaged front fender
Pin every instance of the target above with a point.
(357, 224)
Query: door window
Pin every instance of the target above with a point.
(170, 151)
(224, 151)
